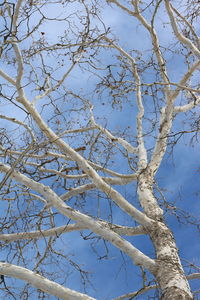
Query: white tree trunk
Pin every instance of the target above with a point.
(169, 274)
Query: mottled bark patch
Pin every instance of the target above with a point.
(169, 274)
(175, 293)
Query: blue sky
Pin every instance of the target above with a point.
(178, 174)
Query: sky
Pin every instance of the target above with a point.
(178, 175)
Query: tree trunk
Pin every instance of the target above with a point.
(169, 275)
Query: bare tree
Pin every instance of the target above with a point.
(67, 165)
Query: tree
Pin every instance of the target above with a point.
(91, 112)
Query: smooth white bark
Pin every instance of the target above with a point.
(41, 282)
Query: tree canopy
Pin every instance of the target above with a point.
(99, 147)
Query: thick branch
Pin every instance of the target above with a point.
(185, 78)
(187, 107)
(178, 34)
(41, 282)
(142, 153)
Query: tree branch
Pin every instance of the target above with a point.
(41, 282)
(178, 34)
(56, 231)
(187, 107)
(150, 287)
(98, 181)
(127, 146)
(7, 77)
(137, 293)
(51, 197)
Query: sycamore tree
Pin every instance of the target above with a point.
(95, 96)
